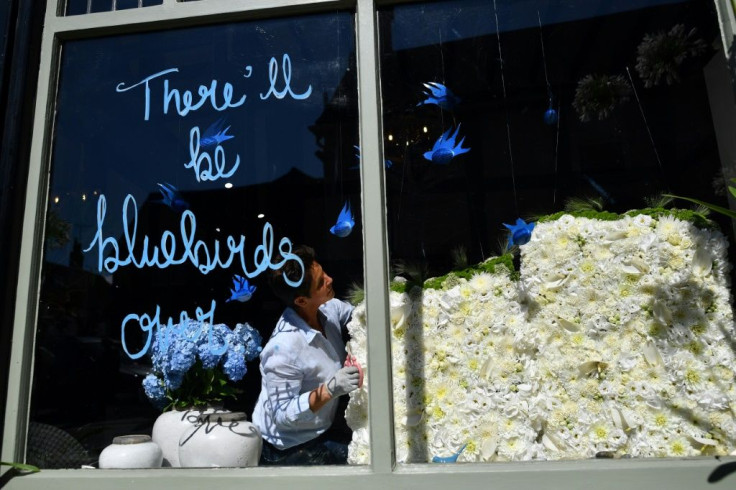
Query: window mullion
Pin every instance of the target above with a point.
(374, 241)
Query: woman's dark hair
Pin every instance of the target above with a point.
(292, 269)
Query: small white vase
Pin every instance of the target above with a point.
(134, 451)
(221, 440)
(168, 429)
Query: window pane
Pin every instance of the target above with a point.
(595, 333)
(101, 6)
(183, 163)
(126, 4)
(76, 7)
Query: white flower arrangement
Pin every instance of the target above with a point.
(618, 337)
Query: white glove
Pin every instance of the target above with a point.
(344, 381)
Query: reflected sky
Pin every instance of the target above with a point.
(116, 135)
(451, 21)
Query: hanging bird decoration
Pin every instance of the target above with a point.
(241, 291)
(172, 198)
(521, 232)
(449, 459)
(214, 134)
(345, 222)
(387, 163)
(445, 148)
(550, 115)
(439, 95)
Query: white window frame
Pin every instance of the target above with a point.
(382, 472)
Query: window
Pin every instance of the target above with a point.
(473, 121)
(77, 7)
(500, 111)
(243, 135)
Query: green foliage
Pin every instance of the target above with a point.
(591, 214)
(459, 257)
(581, 205)
(712, 207)
(659, 201)
(504, 263)
(583, 208)
(201, 388)
(29, 468)
(415, 272)
(57, 230)
(598, 95)
(356, 294)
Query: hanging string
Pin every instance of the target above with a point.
(549, 95)
(444, 80)
(641, 110)
(339, 166)
(557, 146)
(508, 124)
(544, 57)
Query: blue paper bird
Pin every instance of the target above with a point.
(440, 95)
(241, 291)
(551, 117)
(172, 198)
(345, 222)
(214, 135)
(445, 149)
(521, 232)
(449, 459)
(386, 163)
(599, 189)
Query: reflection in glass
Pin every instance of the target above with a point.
(183, 161)
(522, 334)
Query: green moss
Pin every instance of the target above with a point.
(600, 215)
(494, 265)
(696, 218)
(505, 263)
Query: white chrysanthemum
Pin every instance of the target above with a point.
(615, 330)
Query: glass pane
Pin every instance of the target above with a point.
(76, 7)
(535, 316)
(126, 4)
(187, 167)
(101, 5)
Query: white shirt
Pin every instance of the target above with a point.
(295, 361)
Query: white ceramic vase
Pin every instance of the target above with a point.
(168, 429)
(220, 440)
(134, 451)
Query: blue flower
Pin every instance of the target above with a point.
(154, 388)
(234, 366)
(249, 337)
(177, 349)
(211, 350)
(521, 232)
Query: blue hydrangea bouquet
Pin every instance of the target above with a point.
(194, 363)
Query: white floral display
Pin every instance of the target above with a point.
(618, 339)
